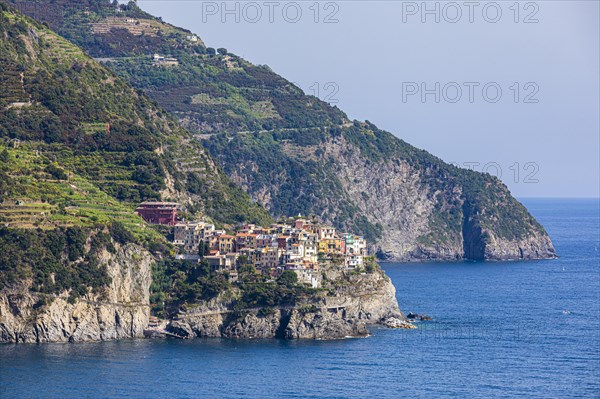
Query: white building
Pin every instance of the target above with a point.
(222, 262)
(325, 232)
(306, 276)
(354, 261)
(356, 250)
(191, 234)
(161, 60)
(355, 245)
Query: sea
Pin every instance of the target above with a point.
(499, 330)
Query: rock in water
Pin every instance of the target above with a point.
(414, 316)
(393, 322)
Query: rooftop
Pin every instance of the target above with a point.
(152, 203)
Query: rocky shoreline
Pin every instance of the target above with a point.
(358, 301)
(365, 300)
(492, 249)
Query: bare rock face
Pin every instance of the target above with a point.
(390, 193)
(324, 324)
(254, 326)
(121, 312)
(533, 247)
(362, 300)
(295, 154)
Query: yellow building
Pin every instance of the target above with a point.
(226, 244)
(322, 246)
(332, 245)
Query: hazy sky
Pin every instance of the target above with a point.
(513, 89)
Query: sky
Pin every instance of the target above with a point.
(510, 88)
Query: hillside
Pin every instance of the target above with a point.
(65, 118)
(79, 149)
(296, 154)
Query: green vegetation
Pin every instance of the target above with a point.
(309, 186)
(264, 129)
(78, 158)
(47, 259)
(180, 282)
(35, 197)
(86, 123)
(213, 88)
(371, 265)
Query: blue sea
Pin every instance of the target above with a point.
(500, 330)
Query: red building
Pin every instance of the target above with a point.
(158, 212)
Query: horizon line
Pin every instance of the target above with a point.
(553, 197)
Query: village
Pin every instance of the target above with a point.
(298, 244)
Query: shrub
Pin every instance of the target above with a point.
(56, 172)
(120, 234)
(288, 278)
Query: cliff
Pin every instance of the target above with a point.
(96, 288)
(120, 310)
(352, 303)
(410, 204)
(429, 210)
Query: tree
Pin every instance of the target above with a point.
(76, 239)
(203, 249)
(203, 268)
(120, 234)
(210, 51)
(288, 278)
(222, 51)
(242, 260)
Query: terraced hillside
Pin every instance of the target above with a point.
(38, 193)
(77, 264)
(77, 119)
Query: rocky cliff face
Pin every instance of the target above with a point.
(414, 210)
(122, 311)
(537, 246)
(391, 194)
(368, 300)
(357, 302)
